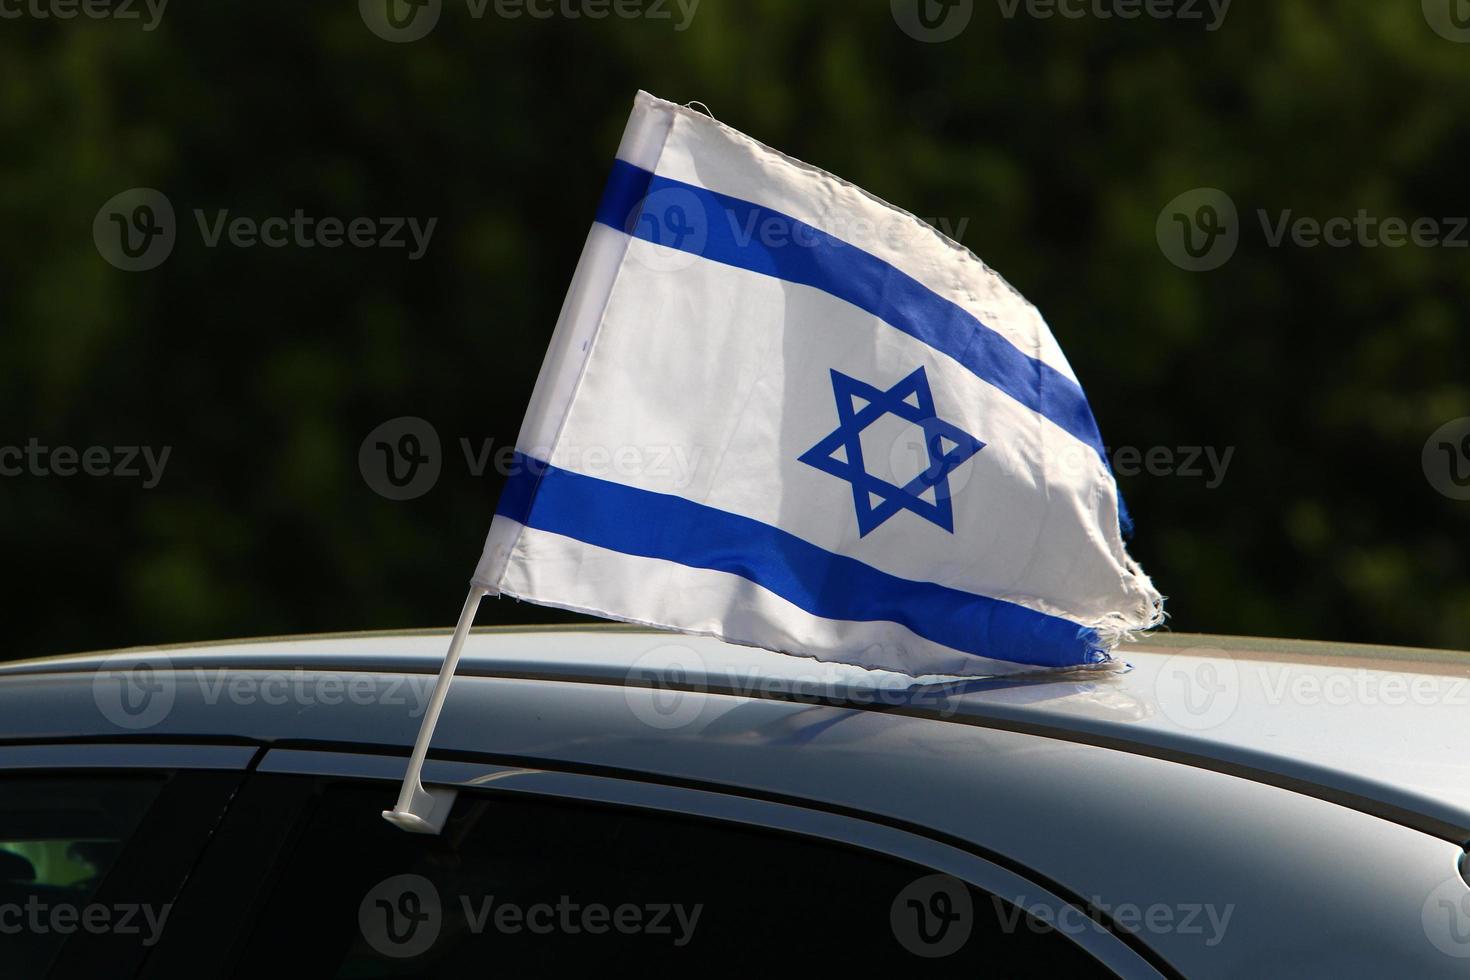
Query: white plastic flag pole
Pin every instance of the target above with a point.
(419, 810)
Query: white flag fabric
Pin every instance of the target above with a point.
(782, 412)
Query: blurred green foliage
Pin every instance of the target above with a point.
(1053, 143)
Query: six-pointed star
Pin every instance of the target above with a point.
(859, 405)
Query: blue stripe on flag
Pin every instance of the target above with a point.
(758, 239)
(656, 525)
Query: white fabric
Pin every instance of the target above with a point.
(677, 374)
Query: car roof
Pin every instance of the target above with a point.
(1381, 729)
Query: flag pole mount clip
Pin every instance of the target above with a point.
(426, 812)
(420, 810)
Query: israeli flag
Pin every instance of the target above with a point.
(779, 411)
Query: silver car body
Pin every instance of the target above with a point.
(1223, 808)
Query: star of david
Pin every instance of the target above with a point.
(859, 405)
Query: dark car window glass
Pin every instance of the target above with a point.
(538, 887)
(60, 836)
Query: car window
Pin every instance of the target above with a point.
(89, 863)
(65, 833)
(59, 838)
(535, 885)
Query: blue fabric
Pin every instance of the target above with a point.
(655, 525)
(748, 236)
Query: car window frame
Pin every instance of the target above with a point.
(868, 832)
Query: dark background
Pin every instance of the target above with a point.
(1054, 144)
